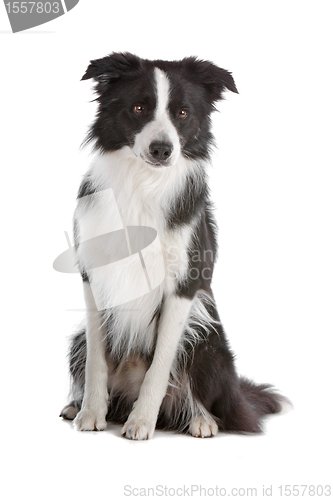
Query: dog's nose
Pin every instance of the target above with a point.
(160, 150)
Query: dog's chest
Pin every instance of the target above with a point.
(134, 285)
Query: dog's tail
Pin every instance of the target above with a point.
(243, 406)
(263, 398)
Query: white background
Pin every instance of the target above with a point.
(272, 186)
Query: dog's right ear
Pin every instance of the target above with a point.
(113, 67)
(213, 79)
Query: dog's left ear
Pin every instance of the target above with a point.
(215, 80)
(113, 67)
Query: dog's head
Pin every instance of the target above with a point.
(160, 109)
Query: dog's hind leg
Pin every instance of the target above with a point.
(70, 411)
(237, 404)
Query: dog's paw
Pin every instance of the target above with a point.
(90, 420)
(70, 411)
(201, 427)
(138, 428)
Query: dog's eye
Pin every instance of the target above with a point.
(139, 110)
(182, 114)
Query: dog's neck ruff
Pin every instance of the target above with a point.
(144, 194)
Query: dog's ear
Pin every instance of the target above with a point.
(113, 67)
(215, 80)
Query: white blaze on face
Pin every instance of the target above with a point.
(161, 128)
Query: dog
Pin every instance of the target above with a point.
(157, 356)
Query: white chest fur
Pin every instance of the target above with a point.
(130, 193)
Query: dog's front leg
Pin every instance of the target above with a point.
(95, 399)
(142, 420)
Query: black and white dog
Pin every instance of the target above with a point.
(153, 351)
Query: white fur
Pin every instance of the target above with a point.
(203, 427)
(286, 405)
(142, 420)
(161, 128)
(198, 317)
(95, 401)
(69, 412)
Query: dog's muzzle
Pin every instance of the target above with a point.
(160, 152)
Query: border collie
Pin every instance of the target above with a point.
(153, 352)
